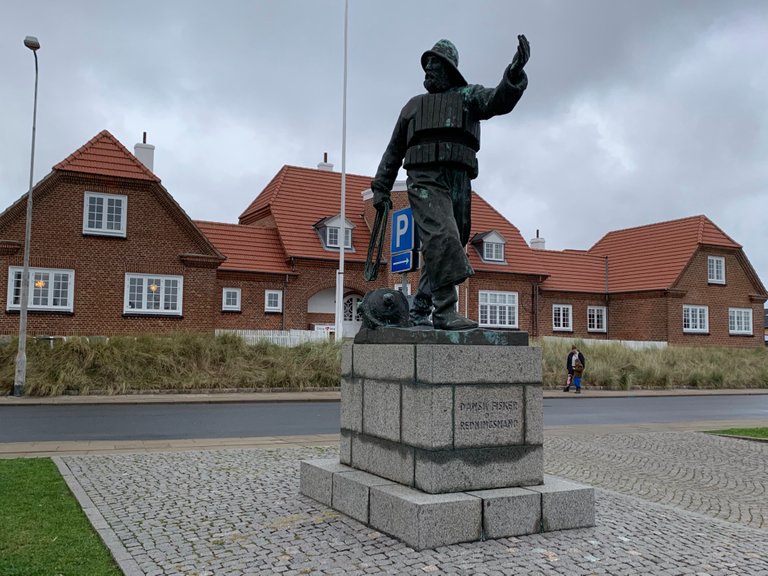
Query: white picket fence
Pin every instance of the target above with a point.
(280, 337)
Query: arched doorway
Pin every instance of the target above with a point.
(352, 319)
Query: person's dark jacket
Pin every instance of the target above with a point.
(569, 364)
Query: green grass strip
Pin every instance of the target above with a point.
(747, 432)
(43, 531)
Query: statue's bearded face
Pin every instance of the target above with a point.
(437, 76)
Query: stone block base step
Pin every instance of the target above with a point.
(424, 521)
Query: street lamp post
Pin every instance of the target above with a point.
(21, 358)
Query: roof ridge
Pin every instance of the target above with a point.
(68, 163)
(670, 221)
(307, 168)
(716, 227)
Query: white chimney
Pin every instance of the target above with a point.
(537, 243)
(324, 165)
(145, 153)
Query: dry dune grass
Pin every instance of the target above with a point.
(181, 362)
(188, 362)
(616, 367)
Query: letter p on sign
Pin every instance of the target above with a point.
(402, 231)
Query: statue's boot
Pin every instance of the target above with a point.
(445, 316)
(420, 310)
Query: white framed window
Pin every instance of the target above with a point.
(332, 237)
(273, 300)
(230, 299)
(740, 321)
(493, 251)
(105, 214)
(498, 309)
(562, 315)
(49, 289)
(407, 290)
(596, 319)
(153, 294)
(695, 318)
(716, 269)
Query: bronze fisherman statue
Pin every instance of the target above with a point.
(436, 139)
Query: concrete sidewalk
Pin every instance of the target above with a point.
(327, 396)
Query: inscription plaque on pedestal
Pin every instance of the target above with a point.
(488, 416)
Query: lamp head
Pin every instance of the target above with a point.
(32, 43)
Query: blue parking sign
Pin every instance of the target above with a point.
(405, 262)
(403, 235)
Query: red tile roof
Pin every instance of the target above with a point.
(652, 257)
(519, 258)
(106, 156)
(572, 271)
(297, 198)
(247, 248)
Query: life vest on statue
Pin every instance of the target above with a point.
(441, 132)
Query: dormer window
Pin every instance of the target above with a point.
(332, 237)
(493, 251)
(490, 246)
(329, 231)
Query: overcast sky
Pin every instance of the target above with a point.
(636, 111)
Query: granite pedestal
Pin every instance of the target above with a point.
(441, 440)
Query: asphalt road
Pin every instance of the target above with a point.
(189, 421)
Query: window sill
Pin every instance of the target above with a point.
(741, 335)
(16, 311)
(232, 311)
(695, 333)
(562, 329)
(103, 235)
(152, 315)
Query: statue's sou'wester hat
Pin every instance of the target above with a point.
(446, 51)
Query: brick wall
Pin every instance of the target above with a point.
(719, 298)
(579, 302)
(312, 276)
(638, 316)
(155, 238)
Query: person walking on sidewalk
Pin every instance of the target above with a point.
(575, 364)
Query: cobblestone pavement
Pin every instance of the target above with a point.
(721, 477)
(237, 512)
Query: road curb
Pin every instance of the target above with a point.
(329, 396)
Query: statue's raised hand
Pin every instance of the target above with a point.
(521, 56)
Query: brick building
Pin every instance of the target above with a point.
(111, 251)
(684, 282)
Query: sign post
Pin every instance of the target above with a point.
(404, 254)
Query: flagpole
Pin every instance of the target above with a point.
(343, 227)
